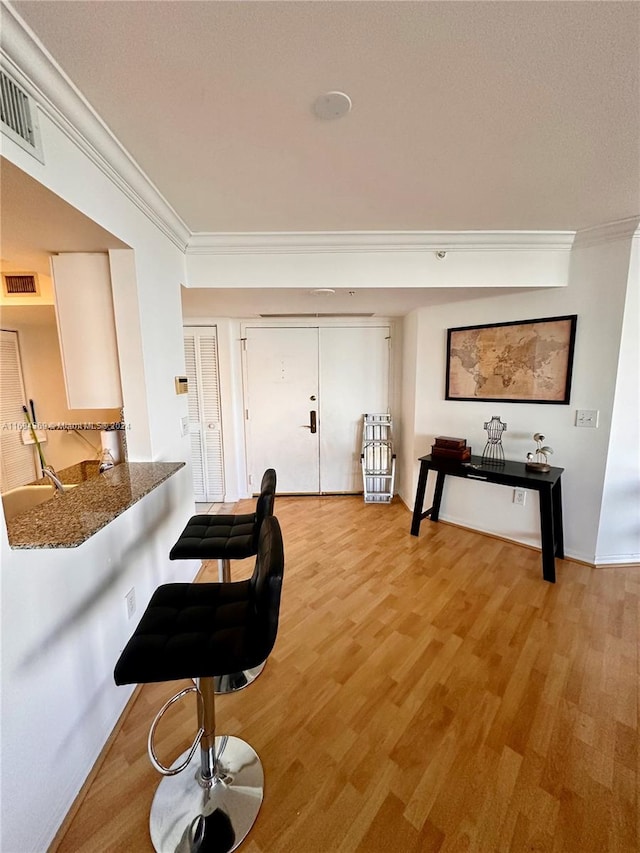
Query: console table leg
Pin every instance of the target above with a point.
(556, 496)
(437, 496)
(417, 507)
(546, 535)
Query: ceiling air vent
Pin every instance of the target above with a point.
(20, 284)
(19, 116)
(316, 314)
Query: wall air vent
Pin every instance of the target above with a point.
(20, 284)
(19, 116)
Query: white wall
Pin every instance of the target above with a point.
(362, 260)
(62, 611)
(619, 531)
(596, 293)
(408, 450)
(126, 309)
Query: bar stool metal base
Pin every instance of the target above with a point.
(237, 680)
(187, 817)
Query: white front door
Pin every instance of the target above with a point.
(354, 381)
(307, 390)
(281, 407)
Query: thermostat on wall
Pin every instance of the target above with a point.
(182, 385)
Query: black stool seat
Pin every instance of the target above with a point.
(217, 537)
(226, 537)
(192, 630)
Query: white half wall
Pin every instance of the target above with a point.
(64, 624)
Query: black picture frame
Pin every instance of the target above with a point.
(520, 361)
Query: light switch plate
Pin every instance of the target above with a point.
(587, 418)
(184, 425)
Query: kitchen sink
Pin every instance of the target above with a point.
(23, 498)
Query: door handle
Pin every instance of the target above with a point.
(312, 422)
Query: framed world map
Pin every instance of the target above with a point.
(524, 361)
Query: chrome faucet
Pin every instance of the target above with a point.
(50, 473)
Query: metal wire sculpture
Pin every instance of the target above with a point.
(493, 451)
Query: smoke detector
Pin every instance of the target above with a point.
(332, 105)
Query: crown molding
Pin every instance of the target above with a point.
(377, 241)
(24, 56)
(620, 229)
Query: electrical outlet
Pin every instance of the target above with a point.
(519, 497)
(587, 418)
(130, 599)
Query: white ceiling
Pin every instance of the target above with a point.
(466, 116)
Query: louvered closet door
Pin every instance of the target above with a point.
(18, 460)
(205, 416)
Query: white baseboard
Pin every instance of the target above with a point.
(612, 561)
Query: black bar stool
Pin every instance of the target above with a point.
(200, 631)
(225, 538)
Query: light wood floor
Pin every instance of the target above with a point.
(425, 694)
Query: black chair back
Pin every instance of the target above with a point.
(266, 585)
(266, 500)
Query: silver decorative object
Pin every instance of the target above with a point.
(538, 461)
(493, 451)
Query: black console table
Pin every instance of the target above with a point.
(507, 473)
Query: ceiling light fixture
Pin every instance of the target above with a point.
(332, 105)
(322, 291)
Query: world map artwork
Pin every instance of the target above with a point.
(519, 362)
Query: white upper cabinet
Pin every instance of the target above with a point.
(86, 326)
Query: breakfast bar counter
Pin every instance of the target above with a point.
(69, 519)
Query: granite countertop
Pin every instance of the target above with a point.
(78, 473)
(68, 520)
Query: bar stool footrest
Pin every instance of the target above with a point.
(176, 767)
